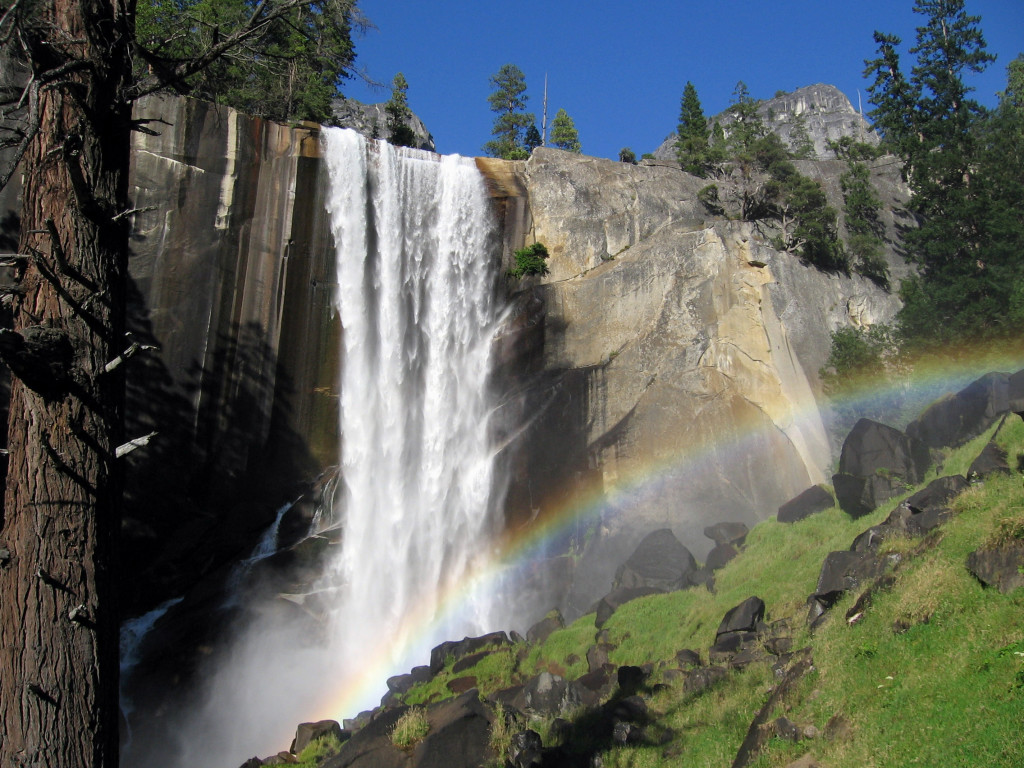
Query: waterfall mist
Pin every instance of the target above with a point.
(420, 487)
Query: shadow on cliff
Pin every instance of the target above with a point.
(224, 460)
(10, 229)
(197, 500)
(903, 222)
(556, 484)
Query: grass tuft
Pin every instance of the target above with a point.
(319, 750)
(504, 726)
(410, 729)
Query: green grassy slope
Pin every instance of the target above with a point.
(933, 674)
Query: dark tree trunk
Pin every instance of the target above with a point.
(58, 608)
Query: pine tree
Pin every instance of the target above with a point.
(800, 143)
(965, 243)
(627, 155)
(718, 148)
(290, 70)
(532, 139)
(1011, 100)
(865, 231)
(400, 133)
(563, 133)
(895, 115)
(806, 220)
(999, 185)
(747, 126)
(693, 133)
(508, 100)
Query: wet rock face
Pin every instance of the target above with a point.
(957, 418)
(660, 562)
(230, 265)
(872, 446)
(877, 463)
(815, 499)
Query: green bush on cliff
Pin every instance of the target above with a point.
(531, 260)
(856, 355)
(708, 197)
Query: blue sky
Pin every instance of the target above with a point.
(619, 68)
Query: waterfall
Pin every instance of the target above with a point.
(419, 487)
(417, 301)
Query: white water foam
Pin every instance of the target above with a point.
(416, 297)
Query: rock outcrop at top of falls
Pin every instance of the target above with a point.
(371, 120)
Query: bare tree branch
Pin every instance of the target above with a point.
(133, 349)
(141, 125)
(131, 445)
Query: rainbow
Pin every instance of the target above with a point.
(516, 549)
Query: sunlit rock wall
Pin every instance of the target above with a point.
(668, 360)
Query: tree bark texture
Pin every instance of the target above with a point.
(58, 607)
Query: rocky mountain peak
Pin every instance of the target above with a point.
(826, 112)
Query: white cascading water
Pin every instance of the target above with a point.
(416, 295)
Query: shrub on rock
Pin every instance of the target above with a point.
(400, 684)
(457, 736)
(306, 733)
(410, 728)
(457, 649)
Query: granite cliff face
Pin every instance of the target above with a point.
(668, 362)
(670, 358)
